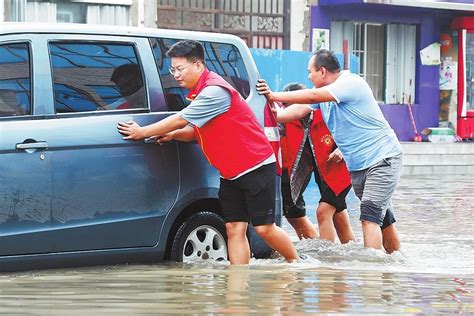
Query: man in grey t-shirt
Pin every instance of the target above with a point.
(244, 156)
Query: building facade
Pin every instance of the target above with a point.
(273, 24)
(390, 43)
(111, 12)
(260, 23)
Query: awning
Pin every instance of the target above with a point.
(461, 5)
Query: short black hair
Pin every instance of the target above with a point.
(128, 78)
(294, 86)
(191, 50)
(325, 58)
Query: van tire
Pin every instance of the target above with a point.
(201, 236)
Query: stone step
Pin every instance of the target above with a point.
(435, 170)
(438, 158)
(438, 148)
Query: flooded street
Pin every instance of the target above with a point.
(433, 274)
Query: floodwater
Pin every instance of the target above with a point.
(433, 273)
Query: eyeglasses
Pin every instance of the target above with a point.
(179, 70)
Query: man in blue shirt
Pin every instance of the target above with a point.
(367, 142)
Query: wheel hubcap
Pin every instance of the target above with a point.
(203, 243)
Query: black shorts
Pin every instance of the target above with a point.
(388, 220)
(298, 209)
(328, 195)
(291, 209)
(251, 197)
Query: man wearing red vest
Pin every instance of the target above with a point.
(232, 141)
(308, 147)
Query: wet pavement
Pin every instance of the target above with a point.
(433, 273)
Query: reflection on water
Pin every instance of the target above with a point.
(269, 288)
(433, 273)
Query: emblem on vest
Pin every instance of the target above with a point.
(327, 140)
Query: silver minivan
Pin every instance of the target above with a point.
(72, 191)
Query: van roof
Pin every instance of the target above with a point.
(71, 28)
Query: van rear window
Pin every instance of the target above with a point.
(15, 80)
(224, 59)
(96, 77)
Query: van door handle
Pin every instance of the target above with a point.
(34, 145)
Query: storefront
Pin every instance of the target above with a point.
(464, 27)
(384, 40)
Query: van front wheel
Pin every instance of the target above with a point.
(201, 237)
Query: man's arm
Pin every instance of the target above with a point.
(132, 130)
(292, 112)
(185, 134)
(211, 102)
(305, 96)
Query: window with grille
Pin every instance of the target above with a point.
(260, 23)
(386, 55)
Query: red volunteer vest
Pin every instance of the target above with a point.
(270, 126)
(334, 174)
(232, 142)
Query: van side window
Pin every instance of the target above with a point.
(224, 59)
(15, 80)
(96, 77)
